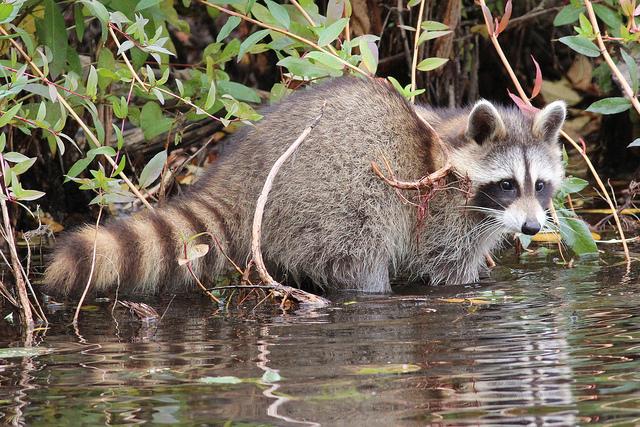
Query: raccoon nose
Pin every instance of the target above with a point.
(530, 227)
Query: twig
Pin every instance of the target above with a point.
(93, 266)
(525, 98)
(27, 316)
(199, 283)
(416, 39)
(256, 231)
(6, 294)
(77, 118)
(424, 183)
(286, 33)
(21, 288)
(403, 33)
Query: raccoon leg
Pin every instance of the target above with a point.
(369, 277)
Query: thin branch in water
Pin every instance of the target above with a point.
(278, 289)
(93, 266)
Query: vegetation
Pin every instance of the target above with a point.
(77, 79)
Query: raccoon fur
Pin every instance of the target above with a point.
(329, 218)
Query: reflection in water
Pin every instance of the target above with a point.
(541, 345)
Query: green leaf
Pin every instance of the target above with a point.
(610, 105)
(120, 107)
(15, 157)
(397, 85)
(13, 352)
(238, 91)
(23, 166)
(5, 11)
(145, 4)
(78, 167)
(6, 117)
(42, 112)
(635, 143)
(581, 45)
(153, 169)
(211, 96)
(568, 15)
(28, 195)
(329, 34)
(430, 35)
(227, 28)
(121, 165)
(577, 235)
(10, 11)
(98, 10)
(250, 41)
(303, 68)
(53, 33)
(369, 59)
(92, 82)
(270, 377)
(431, 63)
(101, 151)
(433, 26)
(632, 66)
(280, 13)
(326, 59)
(610, 17)
(573, 185)
(220, 380)
(152, 122)
(78, 19)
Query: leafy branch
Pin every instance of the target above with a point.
(77, 118)
(301, 39)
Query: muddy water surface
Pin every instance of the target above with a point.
(535, 345)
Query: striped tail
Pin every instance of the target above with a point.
(140, 254)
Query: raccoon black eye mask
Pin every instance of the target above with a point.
(329, 219)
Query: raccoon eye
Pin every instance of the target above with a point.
(507, 185)
(539, 186)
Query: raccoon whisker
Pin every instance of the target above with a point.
(483, 227)
(482, 209)
(492, 198)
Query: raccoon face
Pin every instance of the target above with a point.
(514, 163)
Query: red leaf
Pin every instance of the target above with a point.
(584, 146)
(537, 85)
(505, 18)
(488, 19)
(522, 104)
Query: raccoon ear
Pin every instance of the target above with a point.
(549, 120)
(484, 123)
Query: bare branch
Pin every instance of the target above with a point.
(278, 289)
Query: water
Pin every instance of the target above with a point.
(537, 345)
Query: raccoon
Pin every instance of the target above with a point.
(329, 219)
